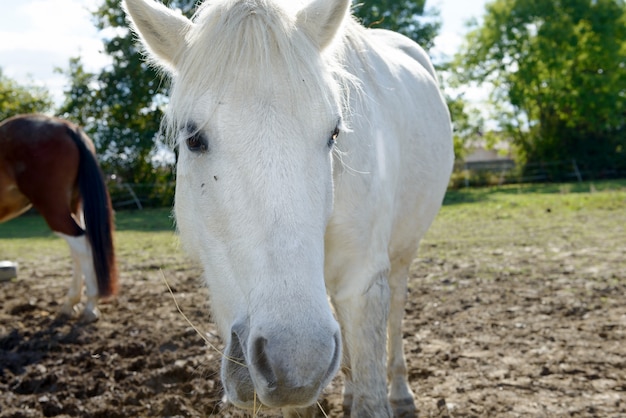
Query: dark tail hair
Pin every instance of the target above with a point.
(98, 213)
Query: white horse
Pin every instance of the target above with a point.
(313, 156)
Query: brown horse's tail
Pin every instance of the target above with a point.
(98, 214)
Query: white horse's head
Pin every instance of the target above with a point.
(255, 110)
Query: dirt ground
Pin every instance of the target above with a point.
(532, 328)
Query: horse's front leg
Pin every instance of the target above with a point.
(362, 312)
(400, 395)
(83, 267)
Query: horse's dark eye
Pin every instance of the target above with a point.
(196, 141)
(333, 137)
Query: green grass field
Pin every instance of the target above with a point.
(471, 219)
(140, 235)
(581, 226)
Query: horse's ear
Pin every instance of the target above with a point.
(161, 30)
(321, 19)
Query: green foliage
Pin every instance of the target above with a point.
(559, 67)
(467, 124)
(404, 16)
(122, 106)
(16, 99)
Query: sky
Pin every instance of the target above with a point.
(37, 36)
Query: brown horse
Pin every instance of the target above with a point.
(50, 164)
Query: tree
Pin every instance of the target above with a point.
(468, 124)
(122, 106)
(404, 16)
(16, 98)
(559, 77)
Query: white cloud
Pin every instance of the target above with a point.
(40, 35)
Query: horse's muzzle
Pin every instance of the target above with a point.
(277, 370)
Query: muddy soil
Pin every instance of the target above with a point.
(524, 329)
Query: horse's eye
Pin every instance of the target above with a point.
(333, 137)
(197, 142)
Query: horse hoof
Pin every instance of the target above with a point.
(67, 312)
(403, 408)
(89, 317)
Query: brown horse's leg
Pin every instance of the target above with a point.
(56, 208)
(61, 221)
(83, 266)
(66, 226)
(76, 285)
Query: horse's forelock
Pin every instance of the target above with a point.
(247, 45)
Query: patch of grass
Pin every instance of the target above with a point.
(148, 220)
(32, 225)
(146, 236)
(535, 228)
(479, 194)
(519, 222)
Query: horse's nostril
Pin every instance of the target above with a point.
(262, 363)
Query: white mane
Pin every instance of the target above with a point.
(249, 47)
